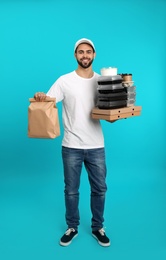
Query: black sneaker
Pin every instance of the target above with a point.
(66, 239)
(101, 237)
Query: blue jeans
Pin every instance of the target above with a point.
(94, 161)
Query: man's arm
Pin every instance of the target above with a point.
(111, 121)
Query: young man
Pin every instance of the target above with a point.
(83, 141)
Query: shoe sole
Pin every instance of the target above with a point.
(100, 243)
(68, 243)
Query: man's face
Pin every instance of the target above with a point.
(85, 55)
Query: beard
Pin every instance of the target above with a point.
(85, 65)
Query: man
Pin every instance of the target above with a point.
(83, 141)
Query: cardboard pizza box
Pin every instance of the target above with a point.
(114, 114)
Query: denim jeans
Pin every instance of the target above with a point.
(94, 161)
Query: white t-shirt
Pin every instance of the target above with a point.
(78, 96)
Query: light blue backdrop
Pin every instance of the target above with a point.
(36, 47)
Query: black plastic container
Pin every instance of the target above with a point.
(111, 104)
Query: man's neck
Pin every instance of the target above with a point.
(85, 73)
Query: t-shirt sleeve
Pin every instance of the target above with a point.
(56, 90)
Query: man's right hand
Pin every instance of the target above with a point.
(40, 96)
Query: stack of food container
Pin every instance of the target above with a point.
(116, 96)
(130, 89)
(111, 93)
(115, 91)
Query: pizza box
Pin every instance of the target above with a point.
(114, 114)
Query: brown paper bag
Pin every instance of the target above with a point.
(43, 121)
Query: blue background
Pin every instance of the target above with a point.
(36, 47)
